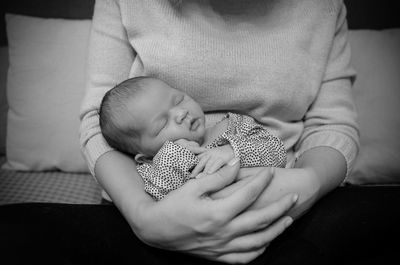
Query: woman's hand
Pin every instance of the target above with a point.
(294, 180)
(317, 172)
(191, 221)
(302, 181)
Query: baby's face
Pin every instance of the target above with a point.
(163, 113)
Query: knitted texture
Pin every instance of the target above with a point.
(285, 63)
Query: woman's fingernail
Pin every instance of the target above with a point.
(295, 197)
(233, 161)
(288, 221)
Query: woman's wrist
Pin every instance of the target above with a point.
(317, 171)
(139, 220)
(326, 166)
(117, 174)
(314, 180)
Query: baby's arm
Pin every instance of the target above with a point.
(254, 145)
(169, 170)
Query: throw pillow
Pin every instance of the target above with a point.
(3, 101)
(376, 57)
(45, 86)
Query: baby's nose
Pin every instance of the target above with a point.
(181, 114)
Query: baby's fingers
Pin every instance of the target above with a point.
(213, 165)
(197, 149)
(200, 166)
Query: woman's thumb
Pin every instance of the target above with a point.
(220, 179)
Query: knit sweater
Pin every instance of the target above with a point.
(286, 63)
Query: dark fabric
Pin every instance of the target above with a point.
(371, 14)
(362, 14)
(352, 225)
(67, 9)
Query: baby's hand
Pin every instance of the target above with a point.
(213, 159)
(191, 146)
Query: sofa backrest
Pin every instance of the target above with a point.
(362, 14)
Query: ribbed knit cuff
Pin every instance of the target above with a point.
(339, 141)
(95, 147)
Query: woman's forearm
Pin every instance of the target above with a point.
(317, 171)
(328, 164)
(117, 173)
(187, 220)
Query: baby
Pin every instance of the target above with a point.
(164, 130)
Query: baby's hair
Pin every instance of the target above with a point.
(113, 105)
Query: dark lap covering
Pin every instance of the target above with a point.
(352, 225)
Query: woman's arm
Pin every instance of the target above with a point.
(188, 220)
(328, 146)
(331, 118)
(109, 62)
(317, 172)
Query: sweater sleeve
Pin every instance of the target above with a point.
(169, 170)
(109, 62)
(331, 119)
(254, 145)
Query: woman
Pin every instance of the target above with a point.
(283, 62)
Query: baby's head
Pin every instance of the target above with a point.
(138, 115)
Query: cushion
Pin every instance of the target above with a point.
(50, 186)
(3, 101)
(376, 57)
(45, 85)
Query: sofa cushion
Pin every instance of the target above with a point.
(376, 57)
(46, 84)
(44, 89)
(3, 101)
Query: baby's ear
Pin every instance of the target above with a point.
(141, 158)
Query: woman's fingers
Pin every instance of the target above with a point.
(247, 172)
(197, 149)
(246, 195)
(241, 257)
(254, 220)
(200, 156)
(261, 238)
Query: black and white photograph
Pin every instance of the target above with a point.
(204, 132)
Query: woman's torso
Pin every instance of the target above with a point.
(262, 58)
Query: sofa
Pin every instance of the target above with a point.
(51, 208)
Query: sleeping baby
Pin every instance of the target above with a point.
(164, 130)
